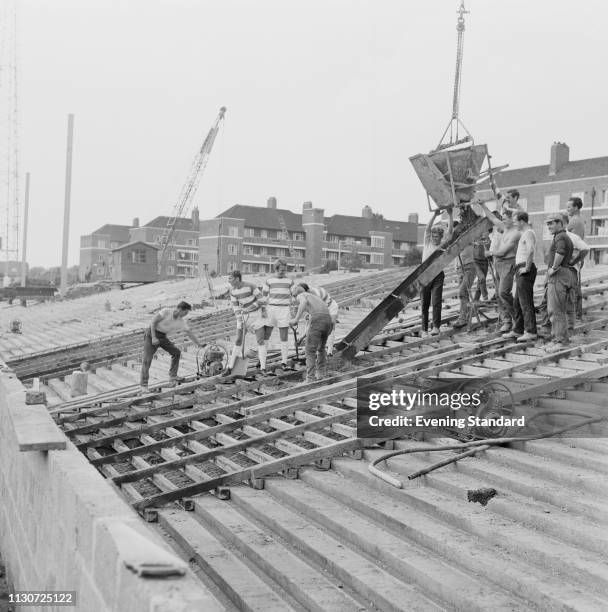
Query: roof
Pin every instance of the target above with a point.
(114, 230)
(181, 223)
(130, 244)
(342, 225)
(264, 218)
(578, 169)
(347, 225)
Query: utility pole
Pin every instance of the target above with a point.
(25, 211)
(66, 209)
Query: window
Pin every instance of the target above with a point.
(233, 249)
(248, 232)
(377, 258)
(547, 235)
(233, 231)
(170, 270)
(298, 236)
(332, 255)
(263, 234)
(247, 250)
(102, 244)
(552, 203)
(378, 242)
(191, 242)
(247, 268)
(138, 256)
(263, 251)
(523, 202)
(99, 257)
(114, 245)
(332, 238)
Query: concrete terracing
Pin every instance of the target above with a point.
(337, 537)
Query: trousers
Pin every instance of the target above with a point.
(432, 294)
(316, 338)
(525, 317)
(505, 271)
(150, 349)
(560, 288)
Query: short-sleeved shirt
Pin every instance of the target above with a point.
(168, 324)
(278, 291)
(321, 293)
(245, 299)
(525, 247)
(576, 226)
(561, 245)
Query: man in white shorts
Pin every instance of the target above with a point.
(277, 291)
(332, 306)
(250, 312)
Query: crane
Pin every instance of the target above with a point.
(189, 188)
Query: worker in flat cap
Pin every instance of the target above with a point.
(561, 282)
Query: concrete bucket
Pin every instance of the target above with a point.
(450, 177)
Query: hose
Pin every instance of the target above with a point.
(478, 445)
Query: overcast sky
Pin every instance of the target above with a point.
(327, 100)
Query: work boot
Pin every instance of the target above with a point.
(435, 331)
(424, 334)
(144, 390)
(177, 379)
(459, 324)
(511, 334)
(506, 327)
(527, 337)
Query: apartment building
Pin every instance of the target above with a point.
(547, 188)
(251, 238)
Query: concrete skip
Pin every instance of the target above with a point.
(62, 527)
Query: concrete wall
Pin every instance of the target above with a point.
(58, 520)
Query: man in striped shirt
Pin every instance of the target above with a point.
(332, 306)
(250, 312)
(277, 290)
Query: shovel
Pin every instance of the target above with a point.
(241, 365)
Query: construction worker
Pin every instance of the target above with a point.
(318, 331)
(509, 202)
(277, 292)
(503, 250)
(576, 226)
(579, 253)
(332, 306)
(524, 323)
(561, 280)
(167, 321)
(250, 312)
(466, 266)
(435, 238)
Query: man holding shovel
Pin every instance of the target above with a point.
(250, 313)
(318, 331)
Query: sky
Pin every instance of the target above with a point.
(326, 99)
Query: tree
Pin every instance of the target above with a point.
(329, 265)
(413, 257)
(351, 261)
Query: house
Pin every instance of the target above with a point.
(96, 249)
(135, 262)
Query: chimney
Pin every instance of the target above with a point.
(413, 218)
(136, 222)
(195, 218)
(560, 155)
(366, 213)
(271, 203)
(307, 206)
